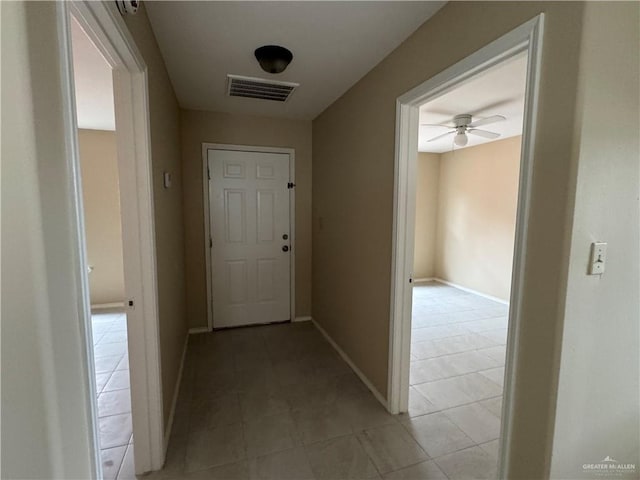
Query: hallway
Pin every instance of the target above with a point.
(276, 402)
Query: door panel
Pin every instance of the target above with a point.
(265, 171)
(237, 282)
(249, 215)
(266, 216)
(233, 169)
(235, 208)
(266, 279)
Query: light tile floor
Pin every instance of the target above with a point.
(114, 397)
(277, 402)
(456, 376)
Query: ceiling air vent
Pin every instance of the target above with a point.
(259, 88)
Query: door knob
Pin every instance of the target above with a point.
(285, 248)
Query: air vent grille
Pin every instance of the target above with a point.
(259, 88)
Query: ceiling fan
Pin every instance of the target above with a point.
(463, 124)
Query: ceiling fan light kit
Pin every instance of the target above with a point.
(461, 139)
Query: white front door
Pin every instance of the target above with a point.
(250, 237)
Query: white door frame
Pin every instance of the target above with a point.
(207, 224)
(103, 25)
(525, 38)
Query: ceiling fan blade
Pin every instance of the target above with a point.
(441, 136)
(486, 121)
(483, 133)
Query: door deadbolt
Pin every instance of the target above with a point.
(285, 237)
(285, 248)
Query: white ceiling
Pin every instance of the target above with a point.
(93, 83)
(334, 45)
(498, 91)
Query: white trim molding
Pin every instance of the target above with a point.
(417, 281)
(196, 330)
(525, 38)
(104, 26)
(207, 222)
(353, 366)
(176, 394)
(302, 319)
(107, 306)
(471, 290)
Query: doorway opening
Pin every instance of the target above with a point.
(466, 200)
(113, 207)
(463, 241)
(93, 80)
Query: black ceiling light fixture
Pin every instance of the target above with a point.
(273, 58)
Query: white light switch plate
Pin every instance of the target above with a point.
(598, 258)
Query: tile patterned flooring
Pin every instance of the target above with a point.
(277, 402)
(114, 397)
(458, 346)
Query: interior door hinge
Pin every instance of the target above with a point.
(290, 185)
(210, 242)
(208, 173)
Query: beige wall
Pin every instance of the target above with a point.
(478, 197)
(103, 228)
(598, 412)
(198, 127)
(165, 153)
(46, 410)
(353, 171)
(427, 179)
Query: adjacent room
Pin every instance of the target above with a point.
(104, 251)
(466, 202)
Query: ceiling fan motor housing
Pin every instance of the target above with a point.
(462, 120)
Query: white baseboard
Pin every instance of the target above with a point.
(198, 330)
(427, 279)
(355, 369)
(302, 319)
(174, 400)
(470, 290)
(105, 306)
